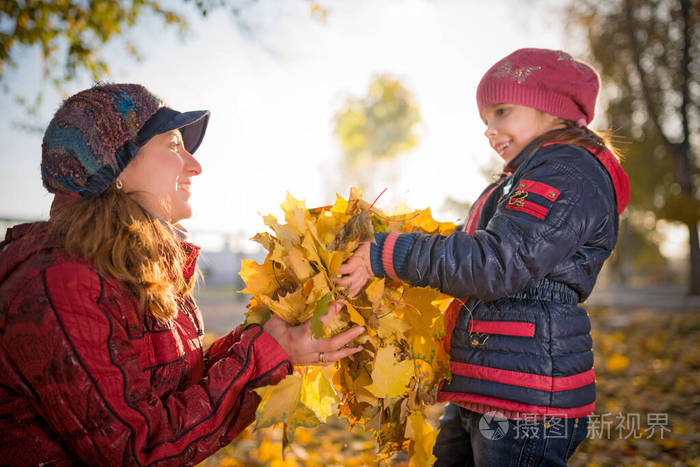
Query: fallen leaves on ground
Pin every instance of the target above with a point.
(662, 377)
(647, 366)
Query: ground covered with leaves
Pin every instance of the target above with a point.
(647, 366)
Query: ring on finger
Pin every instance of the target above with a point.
(321, 357)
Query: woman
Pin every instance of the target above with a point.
(100, 339)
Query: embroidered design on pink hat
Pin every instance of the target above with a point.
(565, 57)
(519, 75)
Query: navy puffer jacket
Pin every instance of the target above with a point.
(520, 343)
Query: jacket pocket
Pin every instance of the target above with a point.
(503, 328)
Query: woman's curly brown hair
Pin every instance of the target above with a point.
(127, 243)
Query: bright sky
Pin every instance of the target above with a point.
(273, 98)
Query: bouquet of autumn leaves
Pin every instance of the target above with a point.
(387, 386)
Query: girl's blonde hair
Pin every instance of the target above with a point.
(127, 243)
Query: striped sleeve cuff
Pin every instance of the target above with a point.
(375, 254)
(389, 255)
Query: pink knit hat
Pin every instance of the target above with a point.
(547, 80)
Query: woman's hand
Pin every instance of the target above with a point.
(356, 271)
(304, 349)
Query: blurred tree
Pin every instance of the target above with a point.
(648, 54)
(637, 258)
(380, 125)
(71, 33)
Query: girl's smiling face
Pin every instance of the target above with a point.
(511, 127)
(159, 176)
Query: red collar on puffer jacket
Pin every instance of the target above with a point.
(617, 174)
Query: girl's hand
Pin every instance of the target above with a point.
(304, 349)
(356, 271)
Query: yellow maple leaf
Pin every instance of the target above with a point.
(295, 213)
(355, 384)
(422, 437)
(299, 264)
(264, 239)
(389, 377)
(318, 394)
(291, 203)
(310, 246)
(281, 403)
(257, 277)
(285, 233)
(425, 319)
(316, 288)
(277, 400)
(390, 326)
(291, 307)
(375, 291)
(332, 260)
(327, 225)
(424, 373)
(278, 255)
(355, 316)
(340, 206)
(423, 220)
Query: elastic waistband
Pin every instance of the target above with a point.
(549, 291)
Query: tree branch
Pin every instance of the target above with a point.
(646, 91)
(685, 73)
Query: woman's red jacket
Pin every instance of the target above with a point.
(86, 375)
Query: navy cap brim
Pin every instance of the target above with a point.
(192, 125)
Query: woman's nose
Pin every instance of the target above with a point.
(192, 165)
(490, 131)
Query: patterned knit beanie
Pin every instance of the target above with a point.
(98, 131)
(547, 80)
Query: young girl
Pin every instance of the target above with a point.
(531, 249)
(101, 359)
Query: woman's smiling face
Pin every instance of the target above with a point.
(159, 176)
(511, 127)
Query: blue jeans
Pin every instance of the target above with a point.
(468, 438)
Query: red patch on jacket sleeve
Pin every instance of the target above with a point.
(519, 202)
(539, 188)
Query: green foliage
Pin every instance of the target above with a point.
(72, 31)
(320, 312)
(379, 125)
